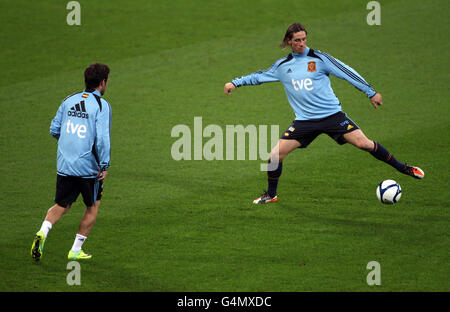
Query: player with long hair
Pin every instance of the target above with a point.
(304, 74)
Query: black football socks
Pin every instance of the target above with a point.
(380, 153)
(272, 179)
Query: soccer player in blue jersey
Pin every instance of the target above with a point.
(82, 126)
(305, 76)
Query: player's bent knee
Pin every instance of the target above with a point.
(60, 208)
(366, 145)
(277, 156)
(91, 208)
(361, 142)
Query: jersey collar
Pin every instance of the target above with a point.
(94, 91)
(301, 54)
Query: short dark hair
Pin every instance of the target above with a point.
(292, 29)
(95, 74)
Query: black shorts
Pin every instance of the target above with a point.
(305, 131)
(68, 188)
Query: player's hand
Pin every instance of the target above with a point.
(101, 175)
(376, 100)
(229, 87)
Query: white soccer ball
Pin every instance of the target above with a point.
(389, 192)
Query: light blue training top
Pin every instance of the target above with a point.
(307, 84)
(82, 126)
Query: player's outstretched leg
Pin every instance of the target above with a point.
(379, 152)
(358, 139)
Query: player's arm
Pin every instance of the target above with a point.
(339, 69)
(55, 126)
(257, 78)
(103, 139)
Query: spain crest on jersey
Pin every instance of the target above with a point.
(311, 66)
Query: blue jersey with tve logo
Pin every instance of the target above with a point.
(82, 126)
(307, 84)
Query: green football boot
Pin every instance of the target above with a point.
(78, 255)
(37, 248)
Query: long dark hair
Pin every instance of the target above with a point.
(296, 27)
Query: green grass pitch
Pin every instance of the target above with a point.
(167, 225)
